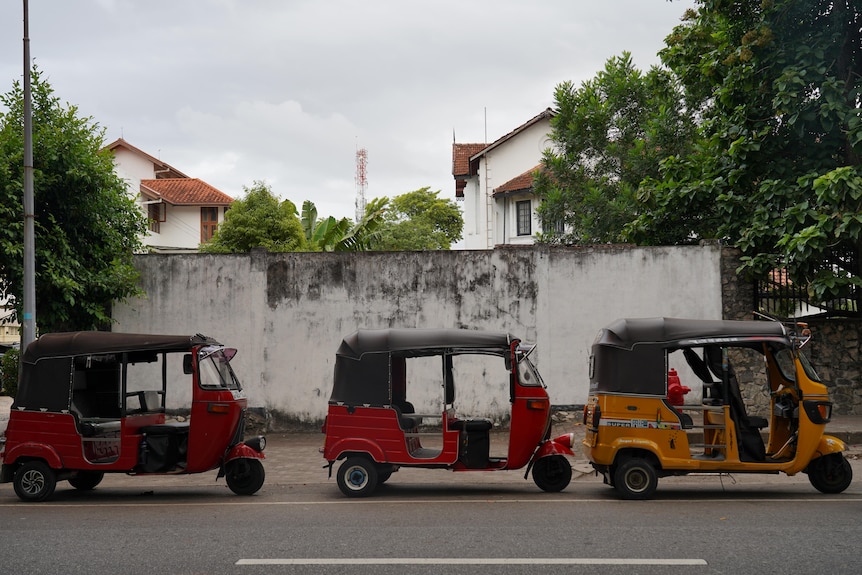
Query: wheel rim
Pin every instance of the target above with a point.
(356, 477)
(32, 482)
(636, 480)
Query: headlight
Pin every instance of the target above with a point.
(257, 443)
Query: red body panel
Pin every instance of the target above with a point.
(375, 431)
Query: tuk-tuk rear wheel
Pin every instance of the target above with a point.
(357, 477)
(34, 481)
(86, 480)
(635, 478)
(244, 476)
(552, 473)
(830, 474)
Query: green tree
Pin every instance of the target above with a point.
(258, 219)
(87, 227)
(420, 220)
(610, 134)
(777, 85)
(331, 235)
(9, 372)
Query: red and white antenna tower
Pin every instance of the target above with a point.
(361, 182)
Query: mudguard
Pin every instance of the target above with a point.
(243, 451)
(829, 444)
(355, 445)
(561, 445)
(32, 450)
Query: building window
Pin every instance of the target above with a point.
(155, 216)
(525, 218)
(209, 223)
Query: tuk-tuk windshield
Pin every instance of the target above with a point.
(215, 369)
(809, 369)
(784, 358)
(527, 372)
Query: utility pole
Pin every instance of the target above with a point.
(28, 323)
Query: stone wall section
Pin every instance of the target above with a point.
(835, 349)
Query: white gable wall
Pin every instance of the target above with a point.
(489, 221)
(181, 228)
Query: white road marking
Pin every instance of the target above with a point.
(470, 561)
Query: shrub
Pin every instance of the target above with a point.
(9, 372)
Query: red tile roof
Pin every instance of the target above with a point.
(520, 183)
(185, 192)
(461, 154)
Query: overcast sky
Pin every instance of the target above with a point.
(285, 91)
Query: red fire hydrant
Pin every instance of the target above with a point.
(675, 389)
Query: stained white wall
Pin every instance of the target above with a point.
(287, 313)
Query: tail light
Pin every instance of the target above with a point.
(592, 416)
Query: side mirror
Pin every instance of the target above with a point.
(187, 364)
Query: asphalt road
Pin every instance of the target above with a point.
(414, 524)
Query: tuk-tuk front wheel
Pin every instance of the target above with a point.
(635, 478)
(357, 477)
(552, 473)
(830, 474)
(244, 476)
(34, 481)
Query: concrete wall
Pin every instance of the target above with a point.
(287, 313)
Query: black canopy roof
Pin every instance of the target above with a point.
(625, 333)
(628, 356)
(411, 339)
(362, 362)
(68, 344)
(47, 374)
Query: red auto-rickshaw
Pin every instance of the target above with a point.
(91, 403)
(373, 425)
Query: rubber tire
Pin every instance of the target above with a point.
(34, 481)
(830, 474)
(357, 477)
(86, 480)
(244, 476)
(552, 473)
(635, 478)
(384, 472)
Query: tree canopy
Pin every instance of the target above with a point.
(609, 134)
(778, 87)
(752, 134)
(258, 219)
(87, 227)
(420, 220)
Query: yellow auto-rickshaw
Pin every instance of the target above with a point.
(665, 399)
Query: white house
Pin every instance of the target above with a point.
(183, 212)
(496, 184)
